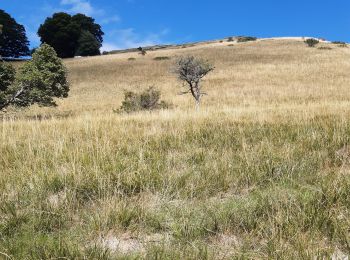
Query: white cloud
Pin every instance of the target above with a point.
(81, 6)
(112, 19)
(128, 38)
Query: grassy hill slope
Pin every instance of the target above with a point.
(261, 171)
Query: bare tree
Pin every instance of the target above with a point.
(191, 71)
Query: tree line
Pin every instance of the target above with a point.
(69, 35)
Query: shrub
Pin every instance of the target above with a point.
(131, 59)
(339, 42)
(162, 58)
(246, 39)
(325, 48)
(146, 100)
(343, 45)
(230, 39)
(312, 42)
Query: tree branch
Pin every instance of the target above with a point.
(13, 98)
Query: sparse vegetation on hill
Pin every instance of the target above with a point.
(312, 42)
(160, 58)
(261, 172)
(246, 39)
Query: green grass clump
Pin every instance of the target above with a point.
(160, 58)
(246, 38)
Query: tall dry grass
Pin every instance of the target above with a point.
(261, 171)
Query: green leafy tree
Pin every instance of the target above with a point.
(7, 77)
(87, 45)
(13, 39)
(88, 24)
(38, 82)
(65, 33)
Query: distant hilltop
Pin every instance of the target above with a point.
(233, 39)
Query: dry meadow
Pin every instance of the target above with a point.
(261, 171)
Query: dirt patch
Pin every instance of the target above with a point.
(126, 244)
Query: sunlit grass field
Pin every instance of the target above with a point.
(261, 171)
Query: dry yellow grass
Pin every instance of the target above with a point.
(253, 174)
(269, 74)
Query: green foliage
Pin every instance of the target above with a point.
(66, 33)
(7, 75)
(7, 78)
(146, 100)
(13, 39)
(246, 38)
(38, 82)
(45, 77)
(312, 42)
(88, 45)
(162, 58)
(230, 39)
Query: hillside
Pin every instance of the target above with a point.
(261, 171)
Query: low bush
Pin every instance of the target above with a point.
(312, 42)
(246, 39)
(131, 59)
(343, 45)
(149, 100)
(162, 58)
(339, 42)
(324, 48)
(230, 39)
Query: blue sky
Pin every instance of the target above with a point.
(133, 23)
